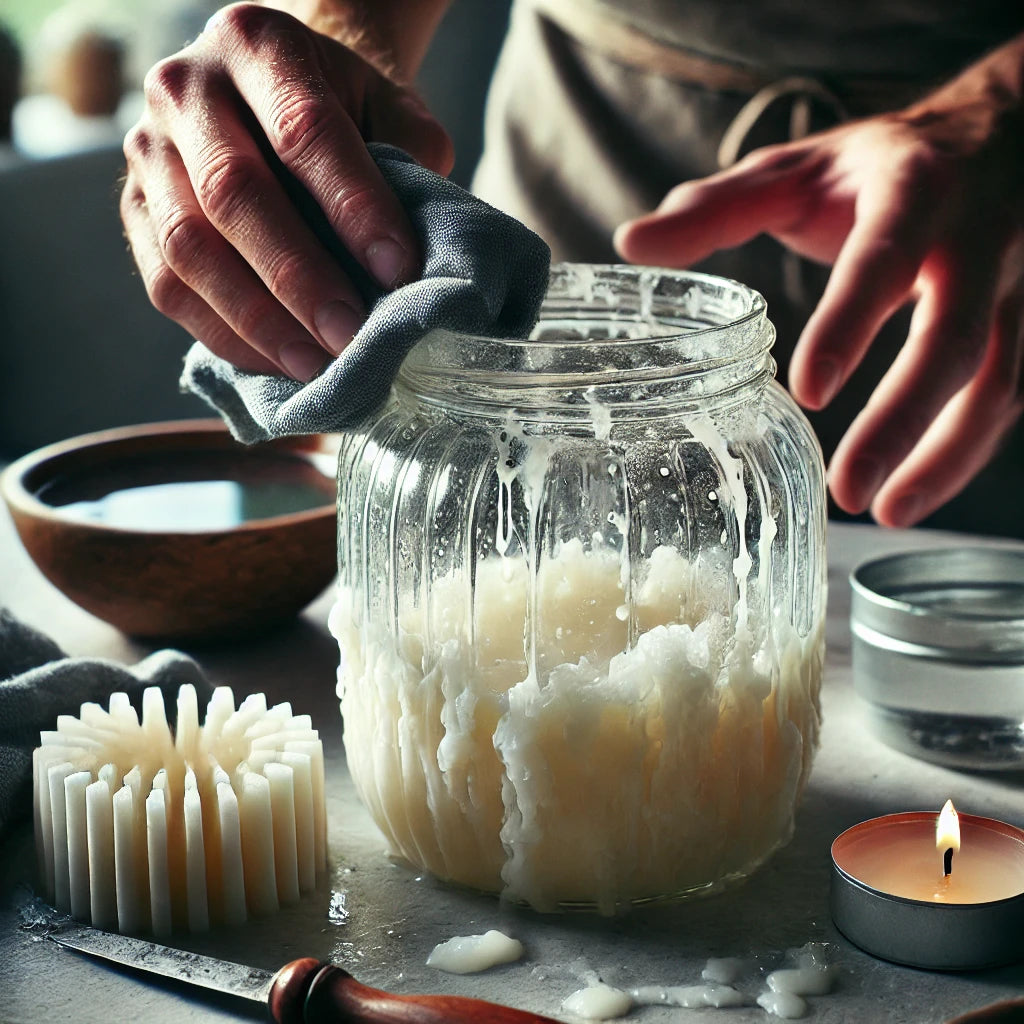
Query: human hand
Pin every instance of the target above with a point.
(220, 244)
(924, 205)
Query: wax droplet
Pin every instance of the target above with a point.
(598, 1002)
(467, 954)
(782, 1004)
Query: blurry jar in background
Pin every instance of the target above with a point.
(582, 597)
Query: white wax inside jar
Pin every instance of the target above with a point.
(484, 773)
(897, 855)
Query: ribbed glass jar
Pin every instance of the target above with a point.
(582, 597)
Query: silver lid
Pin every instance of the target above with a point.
(962, 604)
(938, 653)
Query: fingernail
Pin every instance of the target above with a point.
(825, 374)
(337, 323)
(868, 475)
(302, 360)
(388, 262)
(907, 510)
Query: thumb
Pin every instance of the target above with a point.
(398, 116)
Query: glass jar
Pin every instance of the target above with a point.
(582, 597)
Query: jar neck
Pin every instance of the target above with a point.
(632, 340)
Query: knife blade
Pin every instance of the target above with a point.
(305, 991)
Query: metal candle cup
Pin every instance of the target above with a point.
(891, 898)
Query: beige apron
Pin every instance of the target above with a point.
(581, 134)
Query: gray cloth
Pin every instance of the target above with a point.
(38, 682)
(483, 273)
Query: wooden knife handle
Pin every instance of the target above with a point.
(309, 991)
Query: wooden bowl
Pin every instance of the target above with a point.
(175, 530)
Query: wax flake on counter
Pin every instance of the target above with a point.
(786, 1005)
(468, 954)
(138, 828)
(689, 997)
(723, 970)
(598, 1002)
(802, 981)
(337, 909)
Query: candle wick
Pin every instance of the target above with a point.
(947, 861)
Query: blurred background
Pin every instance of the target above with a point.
(81, 348)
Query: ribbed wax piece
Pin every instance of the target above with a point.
(140, 829)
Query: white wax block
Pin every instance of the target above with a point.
(76, 732)
(130, 918)
(96, 718)
(154, 711)
(99, 811)
(305, 839)
(257, 760)
(315, 751)
(154, 725)
(186, 730)
(42, 816)
(282, 806)
(258, 844)
(219, 709)
(108, 774)
(121, 707)
(195, 858)
(53, 738)
(55, 776)
(232, 871)
(156, 847)
(253, 707)
(281, 738)
(276, 718)
(78, 842)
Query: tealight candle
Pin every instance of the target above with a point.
(943, 891)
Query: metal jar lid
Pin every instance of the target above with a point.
(938, 653)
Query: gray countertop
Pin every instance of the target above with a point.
(396, 916)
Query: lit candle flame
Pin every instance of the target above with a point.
(947, 836)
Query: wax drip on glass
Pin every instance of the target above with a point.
(139, 828)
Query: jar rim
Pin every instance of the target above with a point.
(653, 319)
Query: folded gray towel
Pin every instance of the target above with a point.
(483, 273)
(38, 682)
